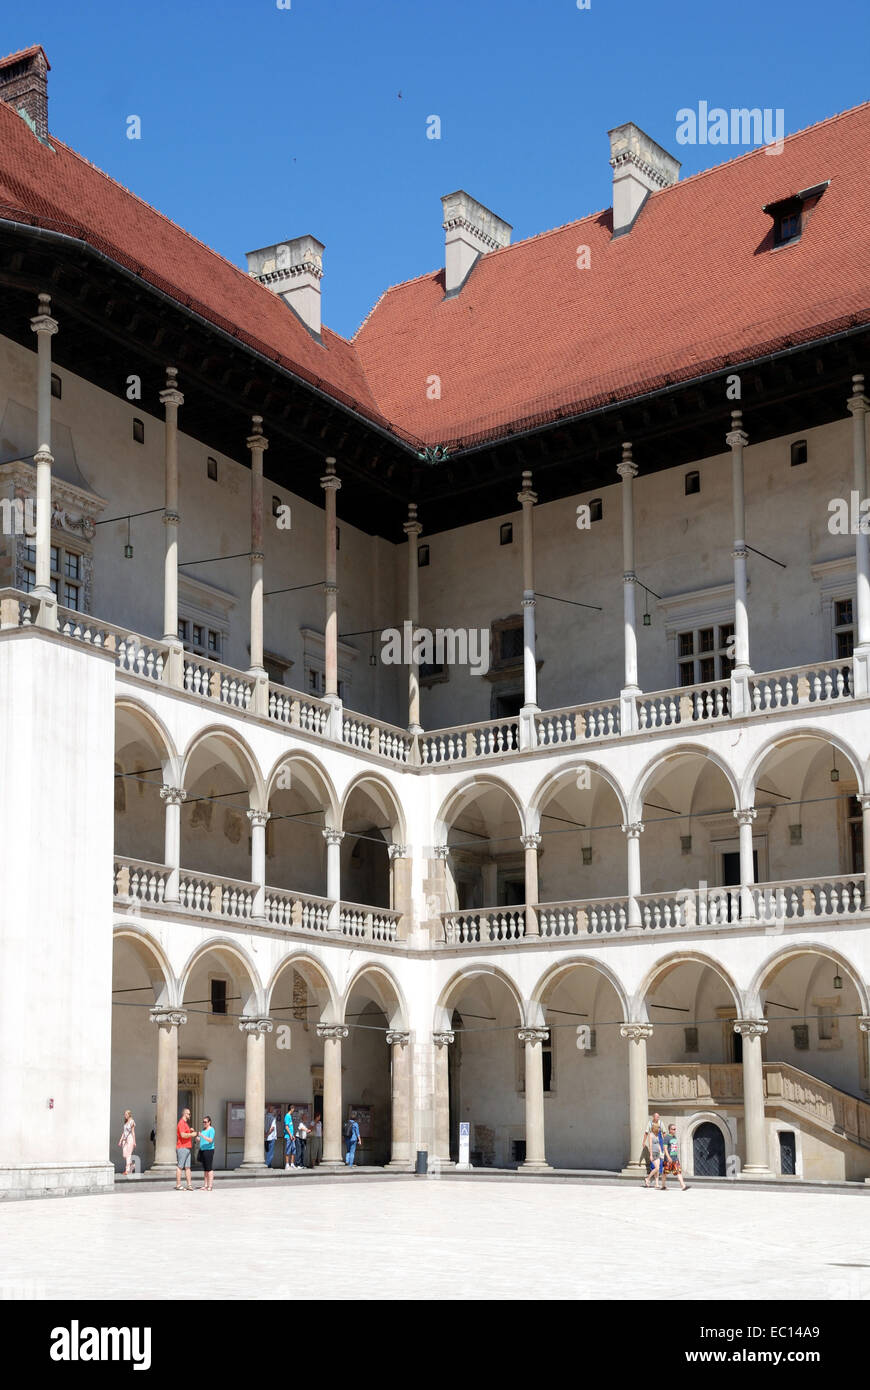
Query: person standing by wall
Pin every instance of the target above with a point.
(289, 1141)
(315, 1147)
(206, 1153)
(352, 1135)
(127, 1142)
(271, 1136)
(302, 1133)
(184, 1137)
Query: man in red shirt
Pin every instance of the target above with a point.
(184, 1136)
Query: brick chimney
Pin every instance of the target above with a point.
(471, 230)
(640, 166)
(24, 85)
(293, 270)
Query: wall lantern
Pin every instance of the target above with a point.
(835, 772)
(838, 982)
(128, 548)
(587, 854)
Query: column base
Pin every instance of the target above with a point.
(254, 1165)
(531, 1166)
(163, 1170)
(400, 1165)
(756, 1170)
(633, 1170)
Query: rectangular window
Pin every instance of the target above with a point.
(200, 640)
(218, 996)
(826, 1023)
(705, 655)
(67, 573)
(138, 431)
(844, 628)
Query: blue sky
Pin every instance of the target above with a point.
(260, 124)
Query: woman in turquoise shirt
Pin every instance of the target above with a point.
(206, 1153)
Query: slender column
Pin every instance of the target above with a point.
(751, 1030)
(527, 499)
(330, 484)
(865, 840)
(632, 834)
(45, 327)
(413, 529)
(858, 407)
(259, 820)
(533, 1038)
(333, 840)
(627, 470)
(442, 1096)
(255, 1030)
(864, 1043)
(171, 398)
(258, 444)
(745, 818)
(401, 897)
(531, 844)
(638, 1094)
(737, 439)
(168, 1021)
(400, 1107)
(172, 797)
(332, 1035)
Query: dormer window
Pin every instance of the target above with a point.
(788, 228)
(790, 215)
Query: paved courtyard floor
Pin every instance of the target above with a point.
(418, 1238)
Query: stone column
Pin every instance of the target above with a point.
(627, 471)
(333, 840)
(259, 821)
(864, 1042)
(45, 327)
(858, 406)
(533, 1038)
(865, 840)
(400, 1099)
(413, 529)
(737, 439)
(751, 1030)
(330, 484)
(332, 1035)
(745, 818)
(633, 833)
(257, 443)
(255, 1030)
(171, 398)
(442, 1096)
(527, 499)
(401, 898)
(172, 797)
(531, 844)
(168, 1022)
(638, 1094)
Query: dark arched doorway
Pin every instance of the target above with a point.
(708, 1151)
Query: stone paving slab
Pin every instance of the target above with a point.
(437, 1239)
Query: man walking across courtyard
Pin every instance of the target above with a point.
(352, 1135)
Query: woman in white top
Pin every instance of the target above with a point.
(127, 1142)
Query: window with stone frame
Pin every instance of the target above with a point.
(844, 628)
(67, 574)
(199, 639)
(506, 644)
(704, 654)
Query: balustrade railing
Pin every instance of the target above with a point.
(374, 736)
(577, 724)
(489, 739)
(296, 910)
(369, 923)
(298, 711)
(482, 925)
(215, 682)
(801, 685)
(585, 917)
(140, 880)
(690, 704)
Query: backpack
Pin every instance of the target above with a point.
(348, 1129)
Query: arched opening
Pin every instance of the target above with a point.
(140, 981)
(374, 1015)
(143, 765)
(221, 785)
(708, 1150)
(371, 820)
(301, 996)
(485, 1069)
(582, 854)
(482, 826)
(301, 804)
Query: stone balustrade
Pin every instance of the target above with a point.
(491, 738)
(300, 911)
(372, 735)
(585, 917)
(692, 704)
(576, 724)
(802, 685)
(481, 926)
(138, 880)
(369, 923)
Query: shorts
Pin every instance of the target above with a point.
(206, 1158)
(672, 1165)
(182, 1158)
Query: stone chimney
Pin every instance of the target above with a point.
(472, 230)
(640, 166)
(293, 270)
(24, 85)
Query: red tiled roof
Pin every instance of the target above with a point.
(691, 288)
(25, 53)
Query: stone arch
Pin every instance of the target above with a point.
(807, 732)
(154, 962)
(318, 979)
(238, 966)
(387, 991)
(239, 757)
(385, 797)
(660, 760)
(317, 773)
(552, 781)
(132, 710)
(671, 962)
(774, 963)
(444, 1008)
(693, 1122)
(462, 795)
(553, 974)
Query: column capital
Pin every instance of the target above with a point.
(43, 456)
(334, 1031)
(633, 829)
(858, 402)
(864, 1024)
(443, 1039)
(171, 394)
(533, 1035)
(254, 1024)
(257, 817)
(530, 841)
(397, 1037)
(528, 599)
(526, 496)
(329, 482)
(331, 836)
(739, 552)
(42, 322)
(750, 1027)
(170, 518)
(864, 799)
(629, 577)
(397, 851)
(412, 526)
(329, 587)
(256, 440)
(626, 468)
(167, 1018)
(635, 1032)
(441, 851)
(736, 437)
(745, 815)
(173, 796)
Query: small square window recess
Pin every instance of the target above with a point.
(796, 834)
(596, 509)
(276, 506)
(798, 452)
(506, 534)
(211, 468)
(56, 386)
(422, 556)
(338, 538)
(138, 431)
(692, 483)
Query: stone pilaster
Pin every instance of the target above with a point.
(637, 1035)
(255, 1030)
(168, 1022)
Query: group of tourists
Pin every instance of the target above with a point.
(661, 1154)
(303, 1142)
